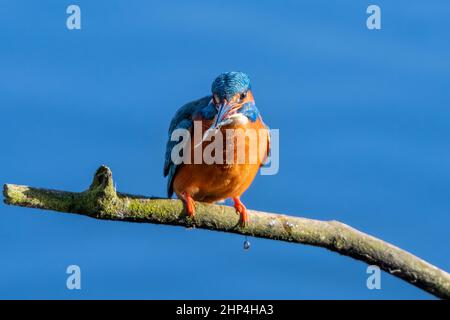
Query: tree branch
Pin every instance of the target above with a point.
(101, 201)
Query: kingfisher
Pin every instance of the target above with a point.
(228, 112)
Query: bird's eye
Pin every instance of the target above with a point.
(243, 96)
(216, 99)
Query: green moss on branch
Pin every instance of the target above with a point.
(102, 201)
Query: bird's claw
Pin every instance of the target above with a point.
(190, 204)
(242, 211)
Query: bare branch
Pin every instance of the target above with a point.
(101, 201)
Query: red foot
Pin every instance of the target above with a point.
(242, 210)
(190, 204)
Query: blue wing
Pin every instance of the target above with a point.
(183, 120)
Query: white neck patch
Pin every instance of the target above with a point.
(239, 118)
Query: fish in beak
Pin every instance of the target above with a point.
(225, 111)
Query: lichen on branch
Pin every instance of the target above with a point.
(102, 201)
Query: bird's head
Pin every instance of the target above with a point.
(231, 95)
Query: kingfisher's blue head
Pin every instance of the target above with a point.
(228, 84)
(232, 96)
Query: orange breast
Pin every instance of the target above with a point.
(244, 148)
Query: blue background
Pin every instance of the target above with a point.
(364, 123)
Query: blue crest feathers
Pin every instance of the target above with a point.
(228, 84)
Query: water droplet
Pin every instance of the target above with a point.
(246, 245)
